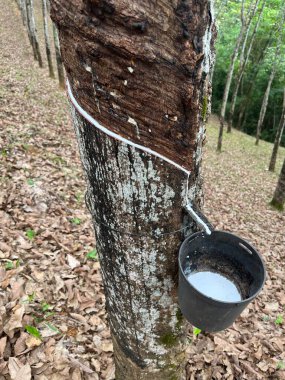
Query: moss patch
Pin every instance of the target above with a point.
(180, 319)
(168, 340)
(205, 108)
(278, 206)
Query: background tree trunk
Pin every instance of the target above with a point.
(271, 78)
(29, 28)
(149, 83)
(254, 73)
(243, 64)
(244, 23)
(60, 69)
(23, 12)
(265, 102)
(33, 32)
(278, 138)
(46, 33)
(279, 195)
(229, 79)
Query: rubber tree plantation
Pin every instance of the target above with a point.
(141, 70)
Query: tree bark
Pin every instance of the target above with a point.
(149, 82)
(47, 43)
(243, 64)
(278, 137)
(22, 4)
(279, 194)
(33, 32)
(29, 29)
(264, 104)
(59, 64)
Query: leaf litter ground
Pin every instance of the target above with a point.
(52, 318)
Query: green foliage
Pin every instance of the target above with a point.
(31, 182)
(79, 197)
(92, 255)
(31, 297)
(258, 68)
(58, 160)
(52, 327)
(9, 265)
(279, 320)
(196, 331)
(12, 264)
(31, 234)
(33, 331)
(45, 306)
(280, 365)
(76, 221)
(4, 152)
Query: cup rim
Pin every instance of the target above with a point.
(203, 234)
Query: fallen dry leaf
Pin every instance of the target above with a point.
(33, 342)
(15, 321)
(72, 261)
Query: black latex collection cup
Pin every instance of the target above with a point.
(230, 256)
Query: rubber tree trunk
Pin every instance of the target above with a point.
(23, 11)
(253, 75)
(229, 79)
(59, 64)
(243, 63)
(279, 194)
(265, 104)
(47, 43)
(148, 83)
(278, 138)
(33, 31)
(29, 28)
(271, 78)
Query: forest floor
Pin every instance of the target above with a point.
(52, 318)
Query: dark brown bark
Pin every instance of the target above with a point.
(278, 138)
(279, 195)
(142, 70)
(129, 74)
